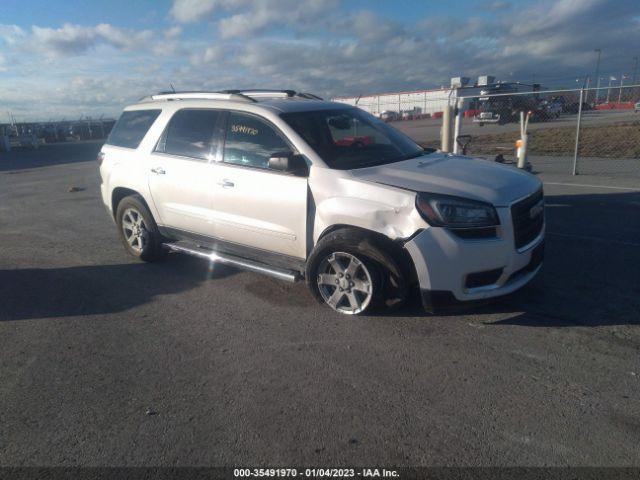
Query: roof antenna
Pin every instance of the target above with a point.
(172, 88)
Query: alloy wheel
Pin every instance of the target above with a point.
(135, 230)
(345, 283)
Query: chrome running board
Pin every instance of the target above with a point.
(226, 259)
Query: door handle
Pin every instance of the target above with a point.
(158, 170)
(226, 183)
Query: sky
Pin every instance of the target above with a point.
(72, 58)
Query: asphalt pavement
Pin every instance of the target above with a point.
(107, 361)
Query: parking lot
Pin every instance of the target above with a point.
(106, 361)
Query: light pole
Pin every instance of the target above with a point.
(622, 77)
(611, 79)
(634, 89)
(597, 75)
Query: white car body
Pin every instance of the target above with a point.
(287, 215)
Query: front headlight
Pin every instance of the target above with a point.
(455, 212)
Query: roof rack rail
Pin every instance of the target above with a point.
(310, 96)
(200, 95)
(244, 95)
(262, 92)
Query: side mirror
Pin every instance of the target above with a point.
(288, 162)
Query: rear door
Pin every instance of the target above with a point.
(253, 205)
(181, 170)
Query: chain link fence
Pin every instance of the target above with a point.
(418, 113)
(605, 122)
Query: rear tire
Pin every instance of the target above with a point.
(138, 230)
(351, 272)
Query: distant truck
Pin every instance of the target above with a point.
(502, 103)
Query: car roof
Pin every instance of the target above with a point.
(277, 103)
(301, 105)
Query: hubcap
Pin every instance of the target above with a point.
(135, 229)
(345, 283)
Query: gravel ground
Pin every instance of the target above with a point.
(106, 361)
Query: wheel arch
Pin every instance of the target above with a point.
(119, 193)
(392, 248)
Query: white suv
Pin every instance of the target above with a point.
(289, 185)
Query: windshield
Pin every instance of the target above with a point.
(351, 138)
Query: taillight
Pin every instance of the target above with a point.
(100, 158)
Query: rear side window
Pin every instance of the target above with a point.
(192, 133)
(131, 128)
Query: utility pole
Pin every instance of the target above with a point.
(597, 76)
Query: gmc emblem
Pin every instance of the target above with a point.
(536, 209)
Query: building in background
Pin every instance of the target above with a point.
(431, 102)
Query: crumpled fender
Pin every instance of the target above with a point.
(380, 208)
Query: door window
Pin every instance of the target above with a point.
(192, 133)
(251, 141)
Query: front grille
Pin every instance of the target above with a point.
(527, 223)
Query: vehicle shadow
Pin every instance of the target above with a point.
(48, 155)
(591, 274)
(100, 289)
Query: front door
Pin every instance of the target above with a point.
(253, 205)
(181, 177)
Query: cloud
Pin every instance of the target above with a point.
(11, 34)
(242, 18)
(173, 32)
(370, 27)
(263, 15)
(76, 39)
(209, 55)
(193, 10)
(496, 6)
(310, 45)
(368, 53)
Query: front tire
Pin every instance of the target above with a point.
(353, 272)
(138, 230)
(346, 282)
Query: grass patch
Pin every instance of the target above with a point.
(621, 140)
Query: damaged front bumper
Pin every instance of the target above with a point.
(452, 270)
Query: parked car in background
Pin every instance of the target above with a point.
(389, 116)
(636, 107)
(294, 187)
(413, 114)
(574, 107)
(551, 108)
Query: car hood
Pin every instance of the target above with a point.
(461, 176)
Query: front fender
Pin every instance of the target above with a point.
(381, 209)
